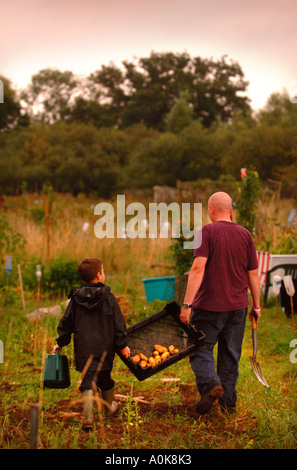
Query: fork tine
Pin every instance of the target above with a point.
(261, 375)
(258, 372)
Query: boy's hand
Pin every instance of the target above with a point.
(126, 352)
(55, 348)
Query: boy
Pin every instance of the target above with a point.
(94, 317)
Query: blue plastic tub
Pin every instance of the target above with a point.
(162, 288)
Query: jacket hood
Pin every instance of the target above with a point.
(91, 295)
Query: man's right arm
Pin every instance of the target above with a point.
(194, 282)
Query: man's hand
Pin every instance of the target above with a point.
(256, 314)
(185, 315)
(55, 348)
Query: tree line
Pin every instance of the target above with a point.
(156, 120)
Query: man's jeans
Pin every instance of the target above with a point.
(226, 328)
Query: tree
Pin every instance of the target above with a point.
(267, 148)
(147, 89)
(48, 97)
(278, 111)
(180, 116)
(89, 111)
(10, 110)
(201, 153)
(154, 84)
(108, 83)
(249, 193)
(215, 90)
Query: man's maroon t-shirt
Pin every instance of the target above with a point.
(231, 253)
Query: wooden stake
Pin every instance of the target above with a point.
(36, 319)
(292, 309)
(47, 230)
(21, 285)
(34, 425)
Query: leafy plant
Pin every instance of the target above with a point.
(249, 192)
(61, 275)
(131, 418)
(182, 258)
(287, 242)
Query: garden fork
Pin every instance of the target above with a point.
(253, 360)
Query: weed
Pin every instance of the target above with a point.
(131, 419)
(265, 418)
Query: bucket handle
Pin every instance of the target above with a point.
(57, 364)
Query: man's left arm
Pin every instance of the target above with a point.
(254, 283)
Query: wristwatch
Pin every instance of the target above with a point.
(187, 305)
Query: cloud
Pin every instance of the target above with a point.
(81, 35)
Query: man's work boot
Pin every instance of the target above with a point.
(205, 403)
(88, 397)
(110, 406)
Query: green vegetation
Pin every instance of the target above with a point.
(164, 418)
(164, 118)
(66, 143)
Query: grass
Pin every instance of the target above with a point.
(165, 417)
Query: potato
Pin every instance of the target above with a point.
(143, 357)
(176, 351)
(156, 353)
(143, 364)
(136, 359)
(164, 355)
(171, 348)
(158, 347)
(163, 350)
(157, 359)
(152, 361)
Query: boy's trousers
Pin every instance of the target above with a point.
(226, 328)
(101, 378)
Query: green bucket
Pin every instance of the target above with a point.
(56, 371)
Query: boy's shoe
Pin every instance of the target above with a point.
(111, 407)
(88, 397)
(207, 400)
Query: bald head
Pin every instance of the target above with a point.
(220, 206)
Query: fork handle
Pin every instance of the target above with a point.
(255, 346)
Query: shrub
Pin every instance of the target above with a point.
(181, 258)
(249, 192)
(61, 275)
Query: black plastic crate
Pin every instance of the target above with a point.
(165, 328)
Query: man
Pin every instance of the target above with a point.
(216, 301)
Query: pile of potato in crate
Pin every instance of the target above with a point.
(159, 354)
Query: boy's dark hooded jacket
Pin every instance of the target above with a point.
(96, 321)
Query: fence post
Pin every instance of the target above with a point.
(34, 425)
(1, 92)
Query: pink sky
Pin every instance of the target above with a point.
(82, 35)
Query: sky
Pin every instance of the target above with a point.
(83, 35)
